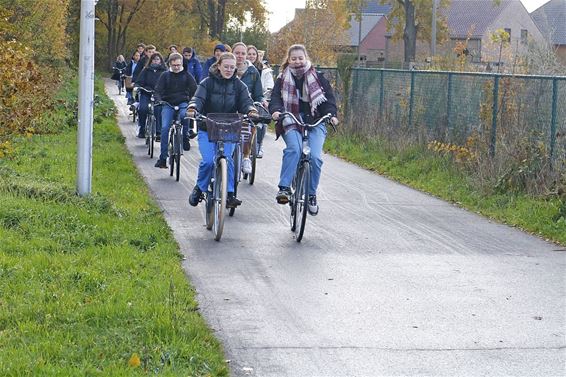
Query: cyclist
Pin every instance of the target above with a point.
(267, 84)
(306, 93)
(148, 79)
(176, 87)
(119, 64)
(218, 50)
(220, 92)
(251, 77)
(191, 63)
(147, 52)
(130, 69)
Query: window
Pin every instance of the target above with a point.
(508, 31)
(524, 36)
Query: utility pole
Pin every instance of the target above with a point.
(86, 98)
(433, 36)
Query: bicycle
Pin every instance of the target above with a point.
(175, 142)
(264, 117)
(120, 81)
(301, 181)
(150, 124)
(221, 128)
(238, 156)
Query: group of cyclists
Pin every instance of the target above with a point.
(231, 81)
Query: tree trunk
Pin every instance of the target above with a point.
(410, 32)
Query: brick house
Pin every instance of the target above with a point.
(551, 20)
(475, 21)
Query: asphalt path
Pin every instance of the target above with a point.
(388, 281)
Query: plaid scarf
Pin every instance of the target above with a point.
(311, 90)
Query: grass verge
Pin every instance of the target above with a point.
(420, 169)
(91, 286)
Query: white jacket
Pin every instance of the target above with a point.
(267, 82)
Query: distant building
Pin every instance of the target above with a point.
(475, 21)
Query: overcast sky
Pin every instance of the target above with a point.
(283, 11)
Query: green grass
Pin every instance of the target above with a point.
(419, 168)
(85, 283)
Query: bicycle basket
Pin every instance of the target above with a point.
(224, 127)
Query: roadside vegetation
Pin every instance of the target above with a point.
(91, 286)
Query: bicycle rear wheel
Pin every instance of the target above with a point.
(301, 200)
(148, 139)
(220, 196)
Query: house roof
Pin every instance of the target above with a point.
(472, 17)
(375, 7)
(368, 23)
(551, 20)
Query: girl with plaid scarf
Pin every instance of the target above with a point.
(306, 93)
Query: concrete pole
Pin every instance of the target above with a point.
(86, 98)
(433, 34)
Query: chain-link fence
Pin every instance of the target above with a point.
(503, 111)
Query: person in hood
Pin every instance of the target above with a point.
(191, 63)
(176, 87)
(220, 92)
(250, 76)
(218, 50)
(306, 93)
(148, 79)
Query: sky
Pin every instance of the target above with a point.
(283, 11)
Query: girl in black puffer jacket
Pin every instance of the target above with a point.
(220, 92)
(147, 79)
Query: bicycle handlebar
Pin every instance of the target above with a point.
(324, 120)
(149, 91)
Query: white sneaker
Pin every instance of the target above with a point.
(247, 166)
(260, 153)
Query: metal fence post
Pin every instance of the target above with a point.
(449, 101)
(411, 99)
(553, 118)
(493, 138)
(381, 94)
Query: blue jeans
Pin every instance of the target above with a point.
(167, 113)
(207, 151)
(292, 155)
(143, 111)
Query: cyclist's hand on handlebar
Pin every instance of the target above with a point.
(334, 121)
(191, 112)
(253, 114)
(276, 115)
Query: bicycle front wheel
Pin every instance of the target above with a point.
(301, 200)
(171, 150)
(220, 195)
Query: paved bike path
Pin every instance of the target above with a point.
(387, 280)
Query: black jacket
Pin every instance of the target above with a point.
(139, 67)
(175, 88)
(149, 76)
(215, 94)
(324, 108)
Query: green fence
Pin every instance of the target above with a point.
(503, 112)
